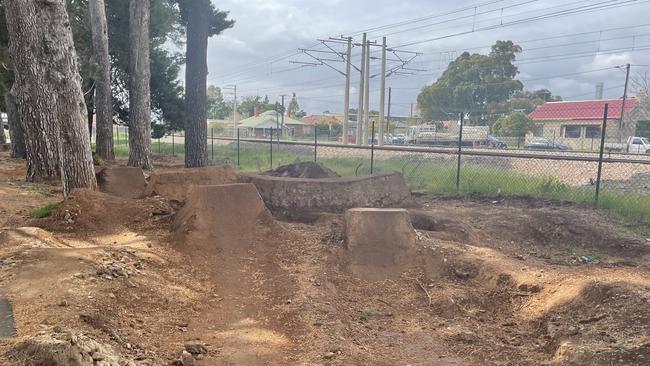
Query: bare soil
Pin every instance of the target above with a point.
(504, 283)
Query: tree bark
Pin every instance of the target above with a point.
(48, 93)
(103, 102)
(15, 128)
(196, 73)
(139, 89)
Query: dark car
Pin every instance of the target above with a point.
(546, 144)
(494, 142)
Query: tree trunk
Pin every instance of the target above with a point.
(139, 92)
(89, 98)
(3, 138)
(196, 73)
(15, 128)
(103, 102)
(48, 92)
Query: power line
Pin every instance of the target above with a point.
(578, 10)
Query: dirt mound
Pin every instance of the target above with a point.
(67, 349)
(126, 182)
(223, 215)
(96, 211)
(380, 242)
(598, 323)
(305, 169)
(174, 184)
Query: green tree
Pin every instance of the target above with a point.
(473, 83)
(527, 101)
(217, 107)
(293, 107)
(515, 124)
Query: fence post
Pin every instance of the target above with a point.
(315, 142)
(271, 149)
(600, 156)
(173, 149)
(212, 144)
(238, 164)
(460, 150)
(372, 149)
(159, 150)
(118, 134)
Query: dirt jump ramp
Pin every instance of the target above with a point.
(295, 195)
(174, 184)
(380, 242)
(220, 216)
(125, 182)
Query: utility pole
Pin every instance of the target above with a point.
(283, 112)
(388, 118)
(361, 91)
(620, 122)
(346, 106)
(234, 108)
(411, 115)
(382, 92)
(366, 96)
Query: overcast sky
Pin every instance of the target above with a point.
(255, 55)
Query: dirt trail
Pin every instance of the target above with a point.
(511, 283)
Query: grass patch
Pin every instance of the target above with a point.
(42, 212)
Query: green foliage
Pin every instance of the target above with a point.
(516, 124)
(474, 84)
(41, 212)
(217, 107)
(217, 19)
(643, 129)
(166, 92)
(527, 101)
(248, 105)
(293, 107)
(553, 185)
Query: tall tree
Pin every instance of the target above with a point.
(103, 100)
(139, 89)
(18, 149)
(9, 101)
(474, 84)
(48, 93)
(202, 21)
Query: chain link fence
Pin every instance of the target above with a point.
(621, 184)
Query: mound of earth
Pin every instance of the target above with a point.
(67, 349)
(223, 215)
(96, 211)
(306, 169)
(122, 181)
(174, 184)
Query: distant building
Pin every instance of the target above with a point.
(578, 123)
(261, 125)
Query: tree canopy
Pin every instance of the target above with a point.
(473, 83)
(218, 108)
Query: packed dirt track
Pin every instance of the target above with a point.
(203, 272)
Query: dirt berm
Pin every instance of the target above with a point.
(220, 216)
(122, 181)
(380, 242)
(291, 195)
(174, 184)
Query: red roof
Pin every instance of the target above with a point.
(581, 110)
(320, 119)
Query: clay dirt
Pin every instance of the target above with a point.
(202, 272)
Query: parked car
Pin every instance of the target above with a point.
(546, 144)
(634, 145)
(494, 142)
(399, 139)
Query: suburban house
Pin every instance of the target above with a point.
(261, 125)
(323, 119)
(578, 123)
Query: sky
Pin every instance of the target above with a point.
(569, 46)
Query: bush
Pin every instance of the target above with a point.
(41, 212)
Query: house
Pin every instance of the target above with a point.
(578, 123)
(262, 124)
(323, 119)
